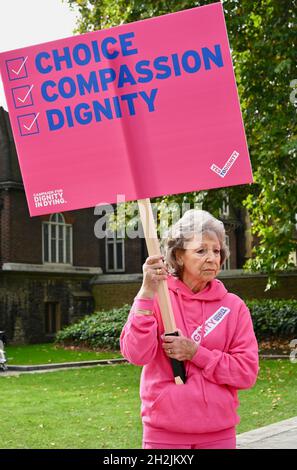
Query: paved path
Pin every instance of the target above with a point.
(16, 370)
(281, 435)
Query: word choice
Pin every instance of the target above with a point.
(82, 54)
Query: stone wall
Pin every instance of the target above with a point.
(253, 286)
(114, 291)
(23, 298)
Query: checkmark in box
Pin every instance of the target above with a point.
(28, 124)
(16, 68)
(22, 96)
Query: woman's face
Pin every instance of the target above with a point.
(201, 258)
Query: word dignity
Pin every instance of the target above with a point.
(121, 87)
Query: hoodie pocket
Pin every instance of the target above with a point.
(182, 408)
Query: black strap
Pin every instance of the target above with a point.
(178, 367)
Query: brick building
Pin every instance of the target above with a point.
(50, 264)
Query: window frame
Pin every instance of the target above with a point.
(54, 225)
(114, 241)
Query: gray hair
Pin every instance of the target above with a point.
(193, 222)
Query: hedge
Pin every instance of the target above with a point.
(100, 330)
(271, 318)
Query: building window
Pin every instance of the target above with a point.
(57, 240)
(52, 318)
(226, 264)
(225, 209)
(114, 255)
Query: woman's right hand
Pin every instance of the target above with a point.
(154, 271)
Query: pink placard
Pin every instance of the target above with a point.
(142, 110)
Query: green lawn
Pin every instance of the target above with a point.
(50, 353)
(98, 407)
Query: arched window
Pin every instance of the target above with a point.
(57, 240)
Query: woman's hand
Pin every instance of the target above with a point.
(179, 347)
(154, 271)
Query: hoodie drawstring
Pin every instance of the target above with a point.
(181, 305)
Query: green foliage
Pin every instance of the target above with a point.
(262, 37)
(272, 318)
(103, 329)
(265, 65)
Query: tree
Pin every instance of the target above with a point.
(262, 37)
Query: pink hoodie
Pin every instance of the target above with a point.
(226, 359)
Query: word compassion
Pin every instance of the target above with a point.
(100, 94)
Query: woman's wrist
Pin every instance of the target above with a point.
(194, 350)
(145, 294)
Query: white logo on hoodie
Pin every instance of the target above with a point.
(210, 324)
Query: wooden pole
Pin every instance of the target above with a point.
(153, 248)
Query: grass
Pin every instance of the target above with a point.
(99, 407)
(50, 353)
(272, 399)
(96, 407)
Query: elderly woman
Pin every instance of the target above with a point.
(216, 341)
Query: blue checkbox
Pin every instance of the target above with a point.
(28, 124)
(22, 96)
(16, 68)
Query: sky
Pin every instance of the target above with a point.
(28, 22)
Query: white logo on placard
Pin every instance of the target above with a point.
(223, 171)
(49, 198)
(210, 324)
